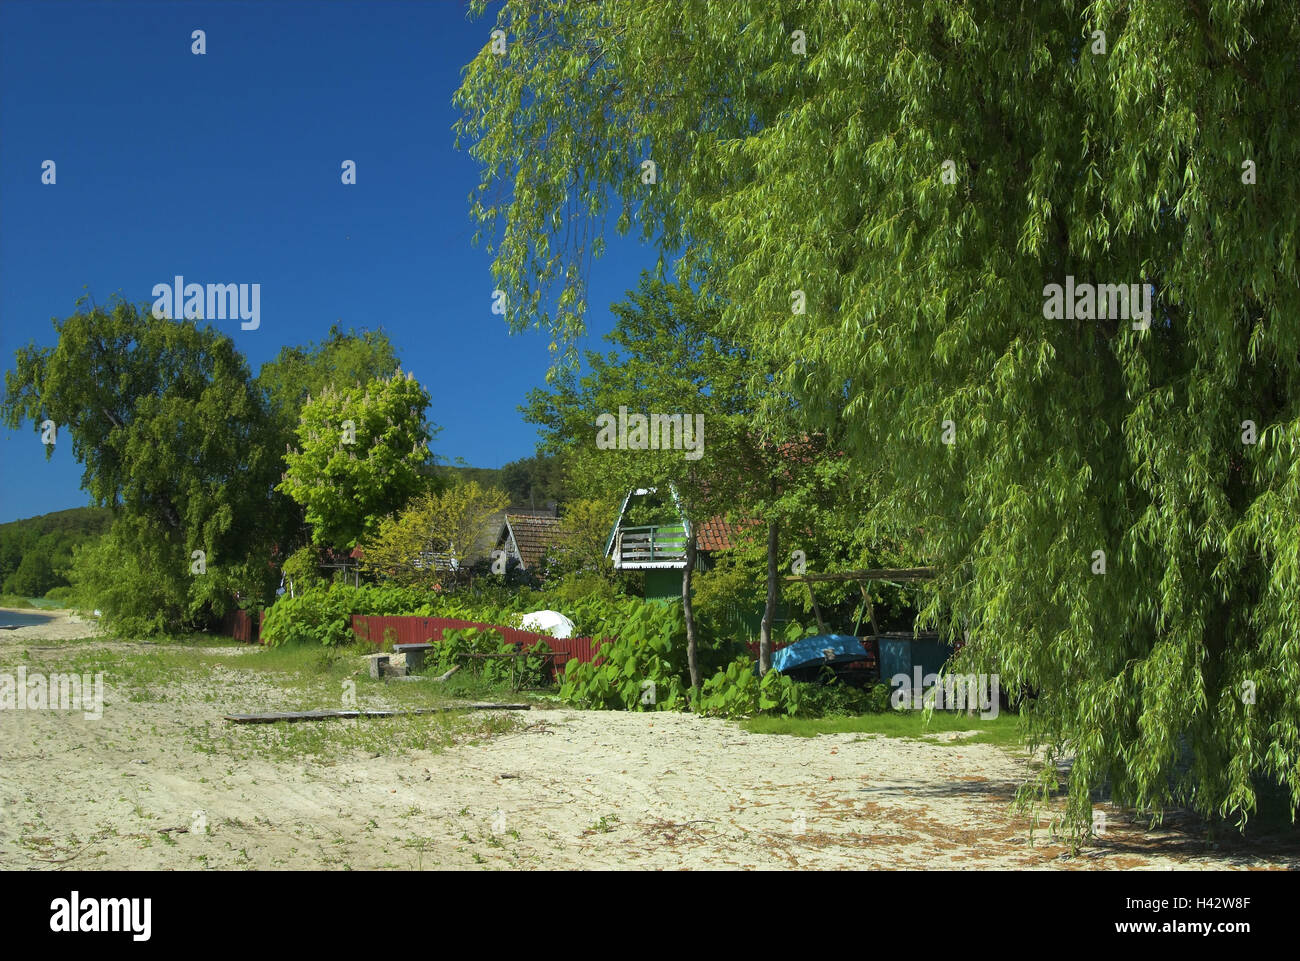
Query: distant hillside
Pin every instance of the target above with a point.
(529, 482)
(486, 476)
(35, 552)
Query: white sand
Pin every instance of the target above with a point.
(581, 789)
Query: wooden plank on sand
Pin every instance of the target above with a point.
(325, 715)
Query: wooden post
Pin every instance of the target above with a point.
(871, 610)
(770, 603)
(821, 625)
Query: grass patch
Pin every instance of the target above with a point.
(49, 604)
(1003, 730)
(13, 600)
(220, 676)
(328, 741)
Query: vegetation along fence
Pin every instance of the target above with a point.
(422, 630)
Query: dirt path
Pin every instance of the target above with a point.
(566, 789)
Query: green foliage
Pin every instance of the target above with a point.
(428, 541)
(580, 589)
(831, 698)
(647, 653)
(172, 432)
(35, 576)
(146, 586)
(43, 545)
(534, 481)
(362, 453)
(650, 649)
(924, 304)
(302, 570)
(455, 644)
(342, 360)
(140, 592)
(738, 691)
(634, 673)
(580, 541)
(322, 615)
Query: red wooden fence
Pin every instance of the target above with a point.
(242, 626)
(422, 630)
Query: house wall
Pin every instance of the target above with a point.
(663, 585)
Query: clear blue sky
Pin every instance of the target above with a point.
(225, 168)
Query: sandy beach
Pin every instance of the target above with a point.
(161, 781)
(61, 625)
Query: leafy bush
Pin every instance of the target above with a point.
(630, 675)
(317, 617)
(141, 592)
(580, 588)
(737, 691)
(641, 667)
(302, 570)
(323, 614)
(832, 698)
(456, 644)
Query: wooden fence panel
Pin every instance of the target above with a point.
(408, 629)
(242, 626)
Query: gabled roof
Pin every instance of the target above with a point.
(533, 535)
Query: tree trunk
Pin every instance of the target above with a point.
(688, 612)
(769, 607)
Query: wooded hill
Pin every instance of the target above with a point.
(36, 551)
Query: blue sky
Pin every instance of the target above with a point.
(225, 168)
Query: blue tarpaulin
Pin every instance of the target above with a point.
(820, 649)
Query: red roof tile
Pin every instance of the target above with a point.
(717, 534)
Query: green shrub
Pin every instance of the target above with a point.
(578, 589)
(644, 668)
(737, 691)
(530, 671)
(314, 617)
(832, 698)
(302, 570)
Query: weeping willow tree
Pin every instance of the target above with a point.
(882, 195)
